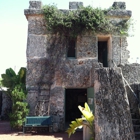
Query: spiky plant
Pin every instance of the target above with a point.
(87, 119)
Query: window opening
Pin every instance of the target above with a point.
(102, 53)
(71, 49)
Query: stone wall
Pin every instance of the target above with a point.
(131, 72)
(120, 54)
(0, 102)
(6, 106)
(112, 112)
(133, 98)
(87, 47)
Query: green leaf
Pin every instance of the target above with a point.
(78, 123)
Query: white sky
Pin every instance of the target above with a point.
(13, 29)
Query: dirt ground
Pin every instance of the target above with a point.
(7, 134)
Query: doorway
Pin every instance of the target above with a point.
(103, 53)
(73, 98)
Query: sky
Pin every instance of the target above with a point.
(14, 26)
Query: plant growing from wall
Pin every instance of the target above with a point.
(87, 120)
(16, 90)
(74, 22)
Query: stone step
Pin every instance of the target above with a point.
(136, 119)
(135, 125)
(137, 133)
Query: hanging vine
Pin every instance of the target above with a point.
(74, 22)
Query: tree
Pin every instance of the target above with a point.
(16, 90)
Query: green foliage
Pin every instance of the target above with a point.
(87, 120)
(0, 83)
(78, 123)
(16, 89)
(74, 22)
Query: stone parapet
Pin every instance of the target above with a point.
(119, 5)
(119, 13)
(75, 5)
(28, 12)
(35, 4)
(34, 8)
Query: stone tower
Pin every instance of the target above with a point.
(89, 73)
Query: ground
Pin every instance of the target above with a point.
(7, 134)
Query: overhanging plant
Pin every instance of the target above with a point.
(87, 119)
(74, 22)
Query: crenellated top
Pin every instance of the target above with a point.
(118, 9)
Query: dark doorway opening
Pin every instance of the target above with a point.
(102, 53)
(73, 98)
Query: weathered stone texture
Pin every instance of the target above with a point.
(119, 5)
(37, 73)
(133, 97)
(6, 105)
(116, 50)
(57, 107)
(131, 72)
(77, 73)
(37, 46)
(32, 101)
(126, 14)
(112, 112)
(124, 52)
(37, 25)
(49, 72)
(86, 47)
(120, 54)
(31, 12)
(35, 4)
(75, 5)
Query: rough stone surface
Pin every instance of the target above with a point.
(57, 98)
(31, 12)
(112, 112)
(120, 13)
(124, 52)
(32, 101)
(36, 46)
(86, 47)
(120, 53)
(37, 25)
(119, 5)
(49, 72)
(75, 5)
(134, 97)
(77, 74)
(6, 106)
(131, 72)
(35, 4)
(0, 102)
(37, 74)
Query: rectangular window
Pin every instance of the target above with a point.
(71, 53)
(102, 53)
